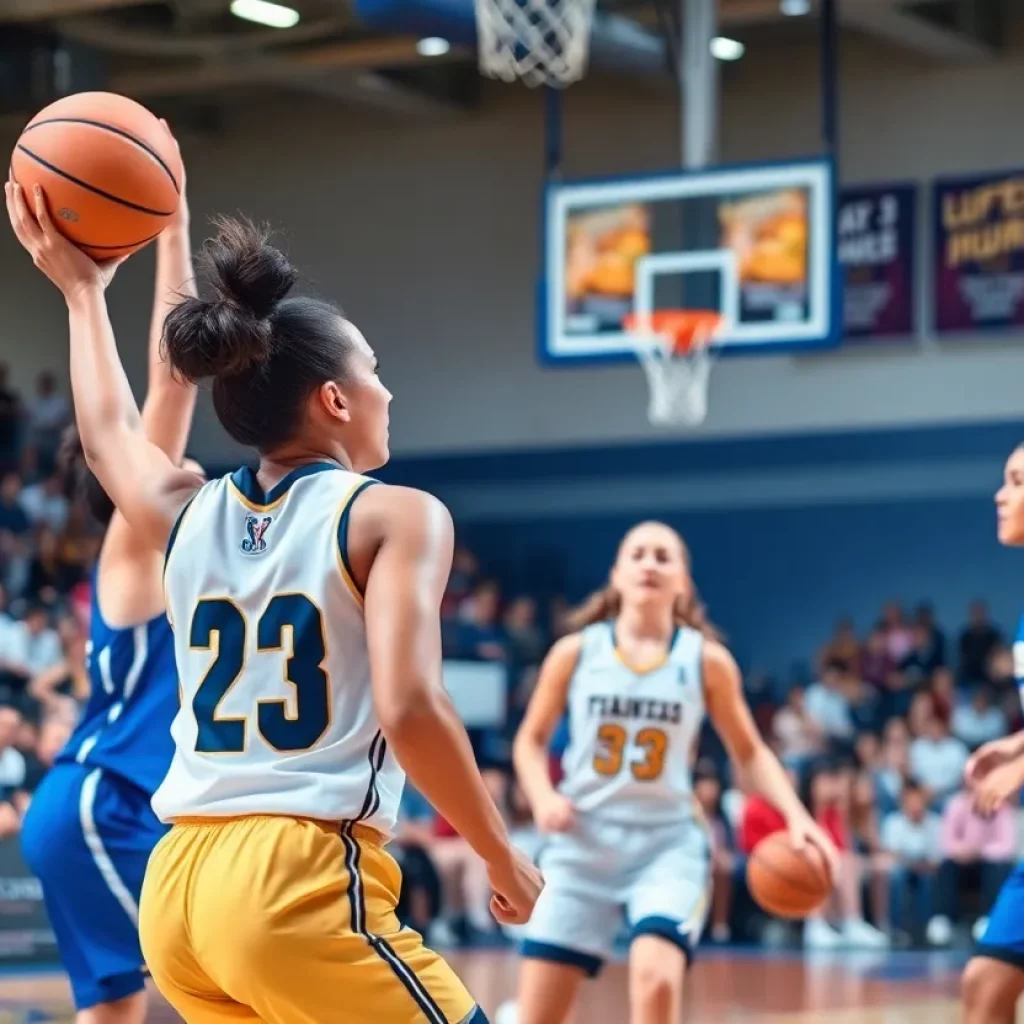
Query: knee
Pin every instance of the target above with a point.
(655, 985)
(981, 989)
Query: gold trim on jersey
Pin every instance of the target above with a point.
(641, 670)
(253, 506)
(179, 525)
(345, 502)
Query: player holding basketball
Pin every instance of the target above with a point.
(626, 832)
(305, 601)
(994, 977)
(90, 829)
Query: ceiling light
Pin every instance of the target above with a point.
(263, 12)
(723, 48)
(433, 46)
(795, 8)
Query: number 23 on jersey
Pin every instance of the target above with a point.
(290, 625)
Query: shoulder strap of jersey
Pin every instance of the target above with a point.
(359, 485)
(172, 539)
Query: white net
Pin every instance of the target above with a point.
(541, 42)
(678, 380)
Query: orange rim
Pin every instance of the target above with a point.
(684, 326)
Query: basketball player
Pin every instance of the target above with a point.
(89, 830)
(305, 603)
(626, 835)
(994, 977)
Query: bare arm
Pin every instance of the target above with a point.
(731, 717)
(403, 594)
(131, 570)
(170, 401)
(142, 481)
(545, 710)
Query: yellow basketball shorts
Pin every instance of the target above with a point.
(288, 921)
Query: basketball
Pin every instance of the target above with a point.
(787, 882)
(110, 171)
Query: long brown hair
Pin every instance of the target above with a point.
(606, 603)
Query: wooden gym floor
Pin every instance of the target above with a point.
(726, 987)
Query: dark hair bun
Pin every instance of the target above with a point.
(230, 333)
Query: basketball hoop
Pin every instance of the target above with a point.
(674, 348)
(541, 42)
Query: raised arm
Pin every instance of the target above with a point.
(530, 752)
(130, 569)
(731, 717)
(142, 481)
(170, 399)
(401, 543)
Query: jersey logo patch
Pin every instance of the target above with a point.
(254, 542)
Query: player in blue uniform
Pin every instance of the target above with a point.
(994, 977)
(90, 829)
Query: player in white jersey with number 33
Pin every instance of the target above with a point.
(625, 835)
(305, 606)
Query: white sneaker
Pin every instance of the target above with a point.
(979, 929)
(508, 1013)
(818, 934)
(720, 933)
(857, 932)
(939, 931)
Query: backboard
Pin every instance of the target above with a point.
(754, 243)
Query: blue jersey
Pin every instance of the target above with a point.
(1018, 660)
(126, 725)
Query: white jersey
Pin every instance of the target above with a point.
(632, 733)
(276, 712)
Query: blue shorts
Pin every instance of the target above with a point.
(1004, 936)
(87, 836)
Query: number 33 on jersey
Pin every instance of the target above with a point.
(631, 731)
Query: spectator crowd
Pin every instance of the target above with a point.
(876, 737)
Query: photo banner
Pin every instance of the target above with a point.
(876, 234)
(979, 253)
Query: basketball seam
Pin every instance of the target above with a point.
(117, 131)
(92, 188)
(141, 241)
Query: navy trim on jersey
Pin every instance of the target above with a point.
(375, 755)
(177, 526)
(245, 480)
(589, 964)
(357, 911)
(343, 527)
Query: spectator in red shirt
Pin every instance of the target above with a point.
(826, 792)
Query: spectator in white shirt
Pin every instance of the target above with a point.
(913, 838)
(980, 721)
(31, 648)
(827, 706)
(45, 504)
(12, 772)
(797, 735)
(937, 760)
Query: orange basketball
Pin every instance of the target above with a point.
(111, 173)
(785, 882)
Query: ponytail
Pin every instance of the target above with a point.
(605, 604)
(600, 606)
